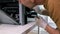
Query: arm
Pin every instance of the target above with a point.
(51, 30)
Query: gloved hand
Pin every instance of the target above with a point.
(41, 22)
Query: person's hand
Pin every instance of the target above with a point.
(44, 21)
(41, 22)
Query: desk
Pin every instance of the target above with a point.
(16, 29)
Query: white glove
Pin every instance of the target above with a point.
(51, 23)
(41, 22)
(47, 20)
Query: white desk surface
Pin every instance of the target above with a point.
(16, 29)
